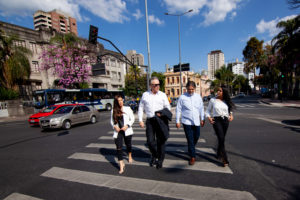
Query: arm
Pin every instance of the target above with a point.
(114, 126)
(178, 112)
(141, 110)
(131, 119)
(208, 111)
(201, 111)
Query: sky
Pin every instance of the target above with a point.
(224, 25)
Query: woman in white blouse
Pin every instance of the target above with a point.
(219, 114)
(122, 119)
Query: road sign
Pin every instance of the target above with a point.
(98, 69)
(184, 67)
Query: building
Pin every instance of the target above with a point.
(238, 68)
(55, 19)
(172, 82)
(215, 60)
(137, 59)
(35, 40)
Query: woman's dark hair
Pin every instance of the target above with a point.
(191, 83)
(117, 112)
(227, 99)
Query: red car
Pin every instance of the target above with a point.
(34, 119)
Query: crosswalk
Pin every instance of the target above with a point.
(103, 151)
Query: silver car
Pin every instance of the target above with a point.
(67, 116)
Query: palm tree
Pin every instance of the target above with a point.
(225, 76)
(14, 63)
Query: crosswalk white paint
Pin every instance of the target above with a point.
(144, 148)
(168, 163)
(146, 186)
(171, 139)
(18, 196)
(143, 132)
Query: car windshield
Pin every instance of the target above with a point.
(63, 110)
(49, 109)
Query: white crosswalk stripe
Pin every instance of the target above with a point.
(146, 186)
(168, 163)
(144, 148)
(134, 138)
(18, 196)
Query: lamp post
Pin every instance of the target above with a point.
(148, 47)
(179, 15)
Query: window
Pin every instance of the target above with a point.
(35, 66)
(84, 109)
(20, 43)
(119, 76)
(172, 80)
(32, 47)
(177, 80)
(107, 73)
(168, 80)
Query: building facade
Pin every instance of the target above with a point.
(215, 60)
(172, 82)
(55, 19)
(137, 59)
(36, 40)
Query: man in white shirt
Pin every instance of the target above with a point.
(151, 102)
(190, 108)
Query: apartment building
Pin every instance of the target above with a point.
(55, 19)
(36, 40)
(137, 59)
(215, 60)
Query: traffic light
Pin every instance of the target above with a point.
(93, 34)
(282, 76)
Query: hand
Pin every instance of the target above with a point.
(142, 124)
(202, 123)
(230, 118)
(178, 125)
(211, 120)
(124, 128)
(158, 114)
(117, 129)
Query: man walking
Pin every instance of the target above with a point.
(190, 108)
(153, 102)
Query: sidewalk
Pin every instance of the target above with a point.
(284, 103)
(22, 118)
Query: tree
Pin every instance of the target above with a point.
(68, 59)
(225, 76)
(252, 54)
(14, 62)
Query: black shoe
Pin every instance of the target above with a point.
(159, 165)
(153, 161)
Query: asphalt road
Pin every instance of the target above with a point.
(263, 145)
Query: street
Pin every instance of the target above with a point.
(263, 145)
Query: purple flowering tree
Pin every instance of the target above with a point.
(69, 63)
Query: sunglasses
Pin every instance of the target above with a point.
(155, 85)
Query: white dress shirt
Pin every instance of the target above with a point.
(150, 103)
(191, 109)
(218, 108)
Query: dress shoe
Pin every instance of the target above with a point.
(159, 165)
(192, 161)
(153, 161)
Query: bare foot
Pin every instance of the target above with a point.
(122, 167)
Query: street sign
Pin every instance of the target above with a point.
(184, 67)
(98, 69)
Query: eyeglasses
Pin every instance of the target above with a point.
(155, 85)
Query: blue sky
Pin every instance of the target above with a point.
(214, 24)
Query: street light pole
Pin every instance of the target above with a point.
(179, 42)
(148, 47)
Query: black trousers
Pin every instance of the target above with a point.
(119, 144)
(155, 139)
(220, 127)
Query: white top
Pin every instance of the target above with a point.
(128, 118)
(218, 108)
(191, 109)
(150, 103)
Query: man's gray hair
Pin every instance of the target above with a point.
(153, 78)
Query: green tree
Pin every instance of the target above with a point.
(14, 62)
(162, 79)
(224, 76)
(252, 54)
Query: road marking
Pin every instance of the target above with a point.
(146, 186)
(18, 196)
(143, 132)
(275, 122)
(144, 148)
(171, 139)
(168, 163)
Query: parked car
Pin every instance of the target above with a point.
(241, 95)
(133, 105)
(67, 116)
(34, 120)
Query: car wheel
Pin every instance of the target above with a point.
(108, 107)
(66, 125)
(93, 119)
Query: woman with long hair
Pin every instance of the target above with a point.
(122, 119)
(219, 114)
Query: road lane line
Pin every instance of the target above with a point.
(144, 148)
(275, 122)
(168, 163)
(18, 196)
(171, 139)
(146, 186)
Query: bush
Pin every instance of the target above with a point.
(8, 94)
